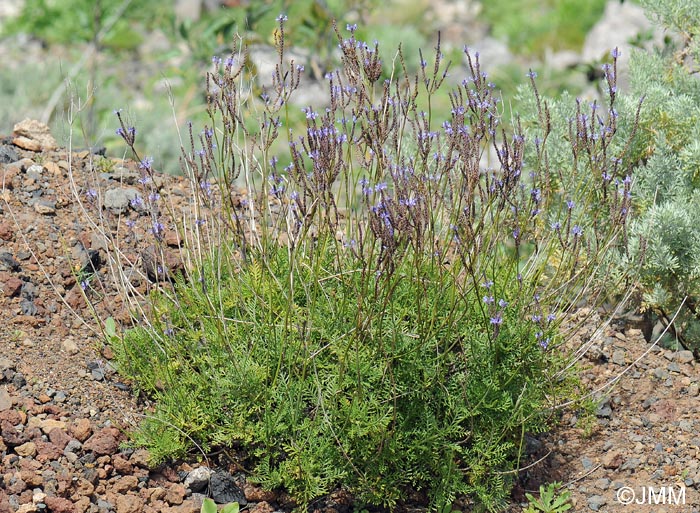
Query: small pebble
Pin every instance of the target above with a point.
(596, 501)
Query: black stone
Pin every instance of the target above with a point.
(8, 155)
(28, 307)
(29, 291)
(18, 380)
(93, 262)
(223, 489)
(8, 262)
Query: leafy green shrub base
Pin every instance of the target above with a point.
(329, 383)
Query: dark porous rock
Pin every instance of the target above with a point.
(46, 451)
(175, 494)
(81, 429)
(9, 263)
(12, 286)
(18, 380)
(8, 154)
(264, 507)
(7, 229)
(223, 489)
(129, 504)
(604, 409)
(104, 441)
(5, 506)
(59, 438)
(28, 307)
(122, 465)
(612, 460)
(13, 417)
(10, 435)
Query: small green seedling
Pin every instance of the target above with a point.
(209, 506)
(549, 501)
(110, 328)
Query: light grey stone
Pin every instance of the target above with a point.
(117, 200)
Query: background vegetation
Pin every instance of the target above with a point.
(132, 54)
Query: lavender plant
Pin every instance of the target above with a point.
(377, 306)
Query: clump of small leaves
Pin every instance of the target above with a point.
(378, 307)
(550, 500)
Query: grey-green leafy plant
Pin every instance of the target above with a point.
(380, 309)
(661, 256)
(551, 500)
(665, 235)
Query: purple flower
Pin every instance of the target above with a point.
(577, 231)
(536, 318)
(91, 194)
(570, 204)
(153, 197)
(487, 284)
(310, 114)
(502, 303)
(489, 300)
(615, 53)
(206, 187)
(531, 74)
(281, 18)
(158, 228)
(497, 320)
(136, 202)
